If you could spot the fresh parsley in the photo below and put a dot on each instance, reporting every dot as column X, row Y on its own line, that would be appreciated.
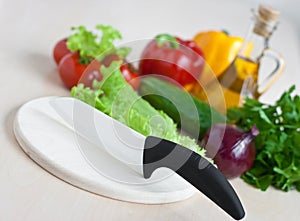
column 277, row 160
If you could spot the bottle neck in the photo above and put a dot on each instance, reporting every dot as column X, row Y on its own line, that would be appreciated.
column 257, row 40
column 254, row 45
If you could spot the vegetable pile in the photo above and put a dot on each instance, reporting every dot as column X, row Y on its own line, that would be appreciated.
column 98, row 73
column 277, row 161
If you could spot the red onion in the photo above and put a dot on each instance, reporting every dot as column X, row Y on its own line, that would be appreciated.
column 231, row 148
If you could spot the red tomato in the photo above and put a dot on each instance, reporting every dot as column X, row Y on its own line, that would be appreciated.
column 91, row 73
column 130, row 75
column 183, row 64
column 110, row 58
column 60, row 50
column 92, row 70
column 70, row 70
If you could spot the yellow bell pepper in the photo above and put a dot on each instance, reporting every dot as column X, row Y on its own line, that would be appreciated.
column 219, row 50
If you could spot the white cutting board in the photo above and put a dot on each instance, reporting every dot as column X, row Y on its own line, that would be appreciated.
column 46, row 138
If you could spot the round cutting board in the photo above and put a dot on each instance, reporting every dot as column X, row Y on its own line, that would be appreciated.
column 51, row 143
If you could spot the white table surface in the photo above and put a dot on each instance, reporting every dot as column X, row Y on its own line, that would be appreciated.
column 29, row 30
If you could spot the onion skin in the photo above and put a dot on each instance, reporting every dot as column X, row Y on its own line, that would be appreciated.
column 231, row 148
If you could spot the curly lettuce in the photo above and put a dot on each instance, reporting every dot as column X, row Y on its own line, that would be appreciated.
column 91, row 46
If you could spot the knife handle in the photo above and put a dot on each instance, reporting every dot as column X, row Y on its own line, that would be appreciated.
column 194, row 169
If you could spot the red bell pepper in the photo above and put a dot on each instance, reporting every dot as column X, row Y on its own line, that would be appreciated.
column 179, row 60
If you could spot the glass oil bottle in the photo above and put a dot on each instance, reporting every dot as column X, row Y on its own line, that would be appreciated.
column 240, row 79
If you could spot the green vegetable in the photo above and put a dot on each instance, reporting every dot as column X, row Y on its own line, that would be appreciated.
column 115, row 97
column 193, row 115
column 277, row 161
column 91, row 46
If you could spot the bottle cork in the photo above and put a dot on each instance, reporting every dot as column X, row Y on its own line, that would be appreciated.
column 267, row 13
column 266, row 20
